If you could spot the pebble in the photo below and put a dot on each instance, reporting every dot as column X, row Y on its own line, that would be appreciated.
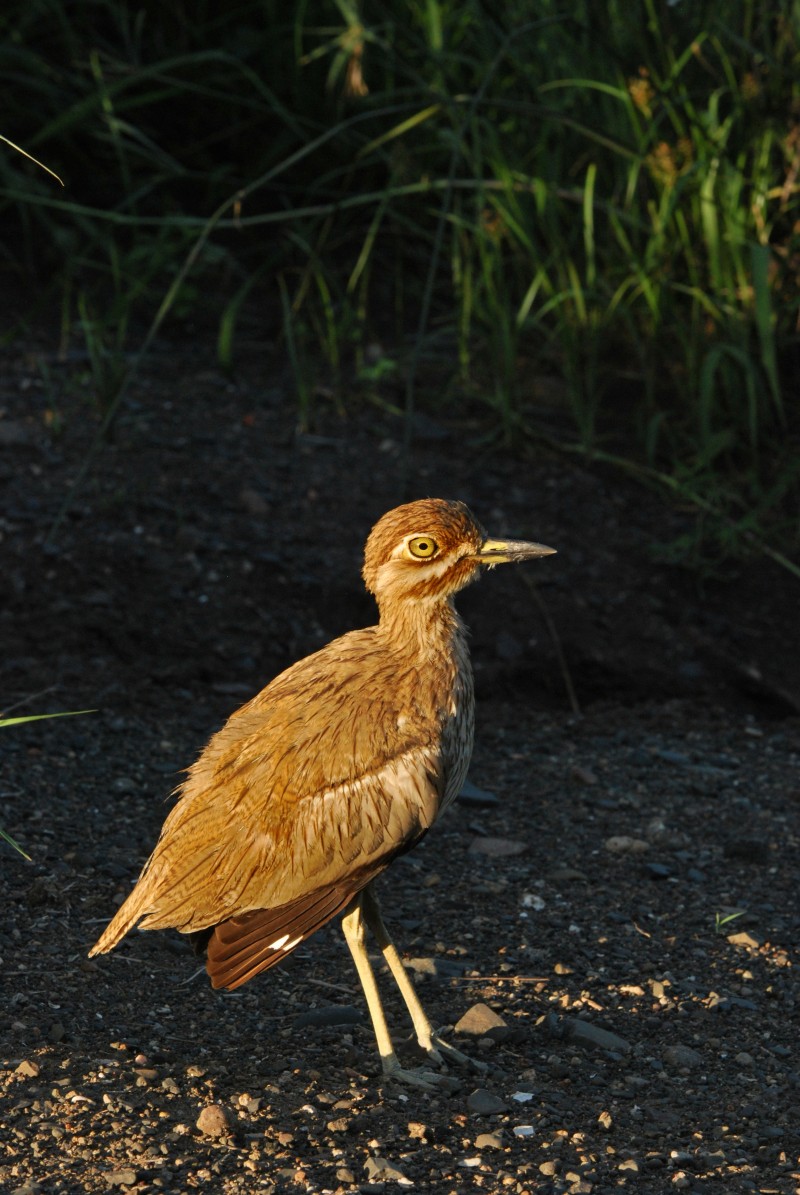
column 485, row 1103
column 27, row 1069
column 584, row 1033
column 382, row 1170
column 523, row 1130
column 489, row 1140
column 121, row 1178
column 333, row 1014
column 441, row 967
column 479, row 1020
column 214, row 1121
column 497, row 848
column 744, row 939
column 472, row 795
column 679, row 1057
column 623, row 844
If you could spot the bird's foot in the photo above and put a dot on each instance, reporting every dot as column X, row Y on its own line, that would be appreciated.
column 441, row 1052
column 419, row 1078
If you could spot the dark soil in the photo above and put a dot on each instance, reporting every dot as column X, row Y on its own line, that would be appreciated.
column 639, row 949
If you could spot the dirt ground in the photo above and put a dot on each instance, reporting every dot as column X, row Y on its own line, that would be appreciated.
column 615, row 907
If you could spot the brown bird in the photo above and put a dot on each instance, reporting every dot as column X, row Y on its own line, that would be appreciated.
column 339, row 765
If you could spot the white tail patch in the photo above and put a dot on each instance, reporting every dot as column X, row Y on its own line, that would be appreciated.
column 279, row 943
column 291, row 945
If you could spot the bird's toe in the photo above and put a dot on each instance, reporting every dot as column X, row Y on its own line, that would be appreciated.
column 422, row 1079
column 442, row 1053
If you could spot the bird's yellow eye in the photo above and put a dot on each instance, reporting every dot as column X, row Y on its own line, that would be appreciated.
column 423, row 547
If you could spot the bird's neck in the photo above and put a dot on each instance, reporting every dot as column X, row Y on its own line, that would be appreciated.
column 421, row 627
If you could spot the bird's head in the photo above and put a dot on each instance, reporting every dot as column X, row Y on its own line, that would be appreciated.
column 428, row 550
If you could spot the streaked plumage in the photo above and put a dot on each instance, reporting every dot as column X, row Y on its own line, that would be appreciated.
column 340, row 764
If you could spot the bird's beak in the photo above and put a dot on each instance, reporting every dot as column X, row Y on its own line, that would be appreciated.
column 509, row 551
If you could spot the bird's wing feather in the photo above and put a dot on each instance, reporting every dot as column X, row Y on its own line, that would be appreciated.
column 318, row 776
column 200, row 875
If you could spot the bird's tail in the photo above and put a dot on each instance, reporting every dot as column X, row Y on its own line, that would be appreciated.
column 124, row 919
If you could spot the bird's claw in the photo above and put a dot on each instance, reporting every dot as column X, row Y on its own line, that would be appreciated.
column 422, row 1079
column 442, row 1053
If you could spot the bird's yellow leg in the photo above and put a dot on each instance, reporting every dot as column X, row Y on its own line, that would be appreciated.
column 438, row 1051
column 355, row 936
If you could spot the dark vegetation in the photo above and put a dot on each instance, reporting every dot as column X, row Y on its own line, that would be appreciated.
column 581, row 227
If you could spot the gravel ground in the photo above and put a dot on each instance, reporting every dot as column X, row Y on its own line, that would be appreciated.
column 608, row 919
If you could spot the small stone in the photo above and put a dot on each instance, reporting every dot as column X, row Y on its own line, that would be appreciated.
column 745, row 1059
column 253, row 502
column 472, row 795
column 605, row 1120
column 121, row 1178
column 489, row 1140
column 443, row 968
column 523, row 1130
column 551, row 1167
column 680, row 1057
column 485, row 1103
column 27, row 1069
column 497, row 848
column 582, row 775
column 382, row 1170
column 584, row 1033
column 341, row 1125
column 214, row 1121
column 744, row 939
column 658, row 871
column 333, row 1014
column 343, row 1175
column 629, row 1166
column 478, row 1020
column 418, row 1131
column 623, row 844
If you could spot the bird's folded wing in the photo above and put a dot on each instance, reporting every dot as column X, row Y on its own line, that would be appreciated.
column 243, row 946
column 294, row 863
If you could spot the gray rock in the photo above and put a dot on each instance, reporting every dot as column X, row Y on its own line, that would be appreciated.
column 382, row 1170
column 442, row 967
column 121, row 1178
column 498, row 848
column 485, row 1103
column 479, row 1020
column 472, row 795
column 584, row 1033
column 333, row 1014
column 680, row 1057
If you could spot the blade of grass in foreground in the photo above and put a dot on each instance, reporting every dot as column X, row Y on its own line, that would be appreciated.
column 16, row 722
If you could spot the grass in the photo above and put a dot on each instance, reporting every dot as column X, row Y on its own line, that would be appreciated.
column 17, row 722
column 585, row 223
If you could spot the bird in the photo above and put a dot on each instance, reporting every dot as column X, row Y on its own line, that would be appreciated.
column 338, row 766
